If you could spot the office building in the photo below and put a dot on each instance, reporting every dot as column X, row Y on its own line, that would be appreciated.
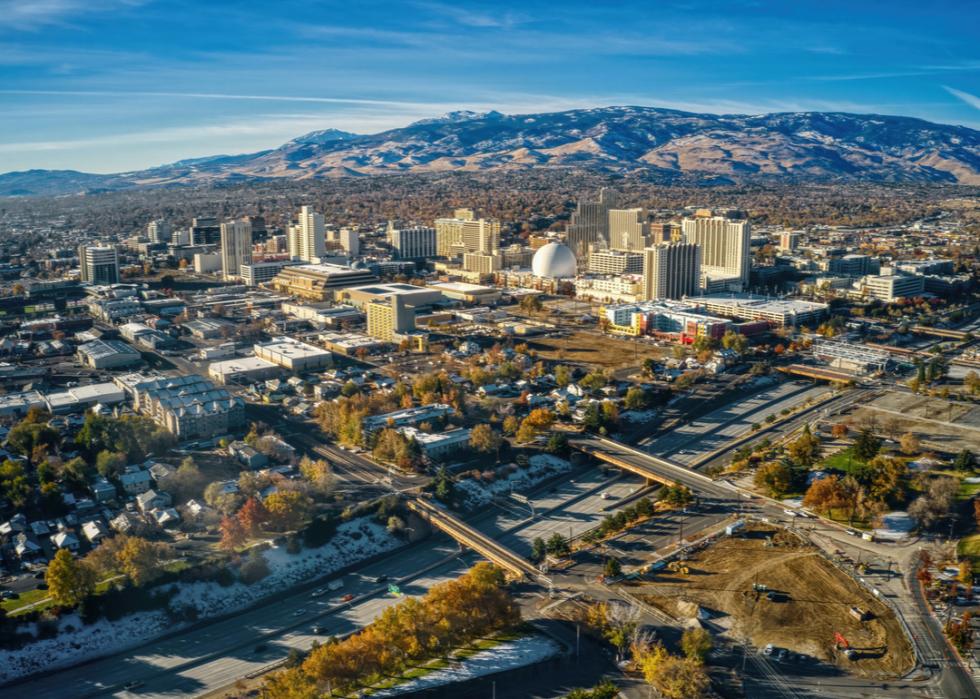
column 724, row 247
column 350, row 242
column 615, row 262
column 205, row 231
column 207, row 262
column 449, row 232
column 465, row 233
column 255, row 273
column 778, row 313
column 789, row 241
column 99, row 264
column 417, row 242
column 891, row 287
column 671, row 270
column 853, row 265
column 388, row 318
column 628, row 229
column 158, row 231
column 307, row 240
column 319, row 281
column 482, row 263
column 236, row 247
column 665, row 233
column 293, row 355
column 590, row 222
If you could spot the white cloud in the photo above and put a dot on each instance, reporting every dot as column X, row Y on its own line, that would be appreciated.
column 33, row 14
column 966, row 97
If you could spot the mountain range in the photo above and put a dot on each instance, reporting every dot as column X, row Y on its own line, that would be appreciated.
column 653, row 142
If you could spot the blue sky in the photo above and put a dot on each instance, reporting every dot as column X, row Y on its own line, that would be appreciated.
column 115, row 85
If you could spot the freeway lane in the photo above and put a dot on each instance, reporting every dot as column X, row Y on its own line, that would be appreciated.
column 713, row 430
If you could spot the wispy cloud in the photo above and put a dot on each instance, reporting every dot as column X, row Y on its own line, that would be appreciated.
column 218, row 96
column 965, row 97
column 472, row 18
column 34, row 14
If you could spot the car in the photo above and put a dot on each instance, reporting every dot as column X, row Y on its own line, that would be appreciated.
column 132, row 685
column 9, row 594
column 319, row 592
column 605, row 495
column 299, row 612
column 381, row 579
column 318, row 629
column 347, row 598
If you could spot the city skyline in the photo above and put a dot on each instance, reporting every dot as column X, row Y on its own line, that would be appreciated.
column 124, row 84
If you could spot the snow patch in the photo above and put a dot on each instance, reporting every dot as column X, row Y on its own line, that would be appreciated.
column 506, row 656
column 353, row 541
column 540, row 467
column 639, row 415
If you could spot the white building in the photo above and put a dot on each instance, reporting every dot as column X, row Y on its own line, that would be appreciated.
column 417, row 242
column 306, row 239
column 350, row 242
column 236, row 247
column 294, row 355
column 891, row 287
column 255, row 273
column 98, row 264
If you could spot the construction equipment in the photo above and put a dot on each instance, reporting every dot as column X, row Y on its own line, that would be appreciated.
column 841, row 643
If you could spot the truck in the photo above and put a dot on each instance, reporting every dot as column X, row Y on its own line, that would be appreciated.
column 734, row 527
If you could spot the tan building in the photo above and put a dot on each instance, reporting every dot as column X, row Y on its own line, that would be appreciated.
column 318, row 282
column 386, row 319
column 306, row 238
column 455, row 236
column 628, row 229
column 481, row 263
column 724, row 246
column 236, row 247
column 671, row 271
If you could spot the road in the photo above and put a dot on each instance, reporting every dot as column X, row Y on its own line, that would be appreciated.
column 216, row 654
column 731, row 421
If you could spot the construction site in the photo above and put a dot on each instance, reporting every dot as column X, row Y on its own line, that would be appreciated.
column 766, row 587
column 596, row 350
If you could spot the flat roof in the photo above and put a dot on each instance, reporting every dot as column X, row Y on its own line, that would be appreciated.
column 240, row 364
column 462, row 287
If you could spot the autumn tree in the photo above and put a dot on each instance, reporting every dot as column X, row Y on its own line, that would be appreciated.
column 825, row 495
column 909, row 444
column 233, row 533
column 805, row 449
column 288, row 509
column 775, row 477
column 318, row 474
column 485, row 439
column 253, row 515
column 69, row 580
column 866, row 445
column 839, row 430
column 696, row 643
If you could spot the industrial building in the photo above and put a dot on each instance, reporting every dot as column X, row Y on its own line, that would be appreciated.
column 294, row 355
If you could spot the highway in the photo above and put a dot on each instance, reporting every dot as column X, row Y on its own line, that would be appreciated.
column 214, row 655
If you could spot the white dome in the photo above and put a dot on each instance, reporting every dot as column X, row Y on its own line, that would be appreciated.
column 554, row 261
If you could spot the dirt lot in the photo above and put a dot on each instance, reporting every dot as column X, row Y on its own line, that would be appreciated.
column 815, row 601
column 594, row 349
column 939, row 424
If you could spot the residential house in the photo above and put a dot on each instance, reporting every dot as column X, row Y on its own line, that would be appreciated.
column 95, row 531
column 103, row 490
column 136, row 481
column 65, row 540
column 26, row 546
column 152, row 500
column 248, row 456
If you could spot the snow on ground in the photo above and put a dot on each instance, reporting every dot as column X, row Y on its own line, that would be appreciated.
column 639, row 415
column 353, row 541
column 540, row 468
column 895, row 526
column 506, row 656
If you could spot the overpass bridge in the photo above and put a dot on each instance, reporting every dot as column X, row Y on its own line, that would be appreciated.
column 653, row 468
column 517, row 566
column 820, row 373
column 946, row 333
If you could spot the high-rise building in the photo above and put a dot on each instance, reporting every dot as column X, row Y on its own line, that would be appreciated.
column 99, row 264
column 465, row 233
column 590, row 222
column 386, row 318
column 628, row 229
column 205, row 231
column 788, row 240
column 307, row 240
column 158, row 231
column 417, row 242
column 350, row 242
column 236, row 247
column 615, row 262
column 724, row 246
column 481, row 262
column 665, row 233
column 671, row 270
column 259, row 230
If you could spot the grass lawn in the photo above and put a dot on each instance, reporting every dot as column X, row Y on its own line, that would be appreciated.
column 13, row 606
column 843, row 460
column 969, row 547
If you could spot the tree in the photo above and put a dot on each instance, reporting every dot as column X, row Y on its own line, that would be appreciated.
column 485, row 439
column 696, row 643
column 14, row 484
column 867, row 445
column 825, row 495
column 318, row 473
column 444, row 488
column 839, row 430
column 288, row 509
column 735, row 342
column 805, row 450
column 935, row 504
column 612, row 568
column 253, row 515
column 140, row 559
column 538, row 550
column 965, row 461
column 111, row 464
column 636, row 398
column 222, row 498
column 557, row 444
column 253, row 568
column 69, row 580
column 233, row 534
column 557, row 545
column 186, row 482
column 531, row 303
column 775, row 477
column 673, row 677
column 909, row 443
column 563, row 375
column 510, row 425
column 677, row 495
column 26, row 436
